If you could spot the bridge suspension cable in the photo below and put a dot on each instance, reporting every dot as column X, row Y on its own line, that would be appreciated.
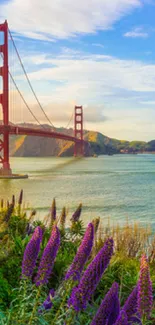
column 28, row 80
column 30, row 85
column 70, row 120
column 22, row 97
column 24, row 100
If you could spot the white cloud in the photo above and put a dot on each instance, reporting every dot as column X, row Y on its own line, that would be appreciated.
column 112, row 90
column 98, row 45
column 92, row 76
column 137, row 32
column 46, row 19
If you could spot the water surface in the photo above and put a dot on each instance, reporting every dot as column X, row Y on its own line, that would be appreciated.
column 119, row 187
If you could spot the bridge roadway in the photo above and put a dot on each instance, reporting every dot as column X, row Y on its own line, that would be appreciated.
column 19, row 130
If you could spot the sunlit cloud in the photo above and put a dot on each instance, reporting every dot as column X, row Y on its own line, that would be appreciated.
column 46, row 20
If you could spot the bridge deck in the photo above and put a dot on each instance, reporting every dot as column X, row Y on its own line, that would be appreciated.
column 19, row 130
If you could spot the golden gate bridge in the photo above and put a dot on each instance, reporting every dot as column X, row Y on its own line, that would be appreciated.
column 7, row 128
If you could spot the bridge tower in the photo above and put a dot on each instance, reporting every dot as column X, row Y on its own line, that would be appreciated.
column 4, row 101
column 78, row 131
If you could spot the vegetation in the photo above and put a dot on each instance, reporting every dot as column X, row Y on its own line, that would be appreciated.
column 99, row 144
column 58, row 272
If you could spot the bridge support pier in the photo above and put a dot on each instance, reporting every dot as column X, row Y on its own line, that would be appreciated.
column 78, row 131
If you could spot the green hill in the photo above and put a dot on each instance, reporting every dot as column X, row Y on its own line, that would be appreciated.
column 28, row 146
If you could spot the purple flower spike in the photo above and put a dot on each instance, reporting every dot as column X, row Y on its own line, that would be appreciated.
column 48, row 257
column 20, row 198
column 145, row 295
column 47, row 304
column 53, row 212
column 130, row 306
column 122, row 319
column 31, row 253
column 91, row 277
column 82, row 254
column 76, row 215
column 109, row 308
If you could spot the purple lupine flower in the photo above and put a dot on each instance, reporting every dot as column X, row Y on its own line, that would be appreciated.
column 31, row 253
column 76, row 215
column 47, row 304
column 96, row 223
column 145, row 295
column 53, row 213
column 13, row 200
column 63, row 219
column 91, row 277
column 122, row 319
column 130, row 306
column 8, row 213
column 29, row 229
column 114, row 311
column 48, row 257
column 82, row 254
column 20, row 200
column 110, row 305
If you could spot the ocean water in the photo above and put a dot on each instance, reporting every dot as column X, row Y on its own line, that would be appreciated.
column 118, row 187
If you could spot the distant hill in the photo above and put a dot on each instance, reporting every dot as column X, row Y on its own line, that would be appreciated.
column 28, row 146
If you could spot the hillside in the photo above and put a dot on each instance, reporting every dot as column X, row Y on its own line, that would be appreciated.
column 28, row 146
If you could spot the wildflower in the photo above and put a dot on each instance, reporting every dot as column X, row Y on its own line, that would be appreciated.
column 82, row 254
column 122, row 319
column 9, row 212
column 89, row 281
column 53, row 213
column 28, row 229
column 48, row 257
column 13, row 200
column 63, row 219
column 145, row 296
column 31, row 253
column 109, row 308
column 32, row 214
column 96, row 223
column 47, row 304
column 76, row 215
column 20, row 198
column 130, row 306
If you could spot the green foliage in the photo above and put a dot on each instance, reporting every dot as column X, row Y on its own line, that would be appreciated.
column 19, row 300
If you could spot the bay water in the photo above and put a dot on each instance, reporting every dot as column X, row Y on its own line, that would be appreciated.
column 118, row 187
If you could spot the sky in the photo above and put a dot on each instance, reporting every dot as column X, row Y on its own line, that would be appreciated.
column 95, row 53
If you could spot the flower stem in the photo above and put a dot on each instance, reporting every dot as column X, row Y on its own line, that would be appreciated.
column 67, row 290
column 71, row 318
column 35, row 306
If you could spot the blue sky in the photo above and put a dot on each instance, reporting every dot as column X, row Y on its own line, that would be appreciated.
column 97, row 53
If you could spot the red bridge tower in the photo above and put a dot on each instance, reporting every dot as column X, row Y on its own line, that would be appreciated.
column 7, row 128
column 78, row 131
column 4, row 101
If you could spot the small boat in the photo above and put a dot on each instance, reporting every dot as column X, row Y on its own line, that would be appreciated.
column 95, row 156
